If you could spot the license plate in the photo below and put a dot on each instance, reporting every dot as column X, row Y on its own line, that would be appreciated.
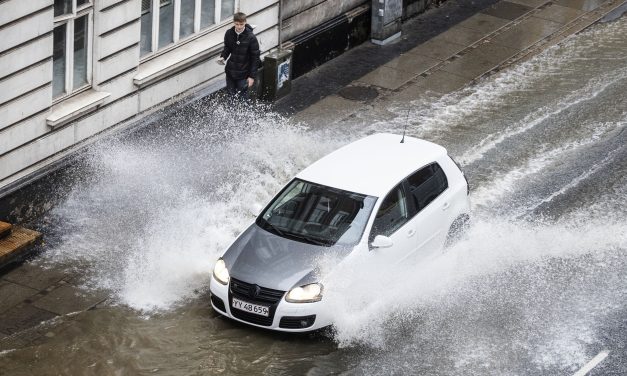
column 249, row 307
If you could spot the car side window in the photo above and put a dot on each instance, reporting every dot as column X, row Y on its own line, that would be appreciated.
column 426, row 184
column 392, row 213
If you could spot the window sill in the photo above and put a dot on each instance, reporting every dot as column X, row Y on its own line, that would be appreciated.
column 74, row 107
column 174, row 61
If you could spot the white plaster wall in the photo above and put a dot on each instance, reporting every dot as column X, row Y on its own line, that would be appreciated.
column 26, row 55
column 13, row 9
column 119, row 87
column 101, row 4
column 116, row 16
column 55, row 142
column 105, row 118
column 116, row 64
column 265, row 19
column 268, row 39
column 25, row 106
column 166, row 89
column 35, row 151
column 23, row 132
column 15, row 85
column 28, row 28
column 117, row 40
column 253, row 6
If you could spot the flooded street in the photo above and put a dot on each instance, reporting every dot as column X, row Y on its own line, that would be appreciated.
column 538, row 286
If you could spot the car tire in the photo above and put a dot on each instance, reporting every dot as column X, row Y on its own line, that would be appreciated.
column 457, row 230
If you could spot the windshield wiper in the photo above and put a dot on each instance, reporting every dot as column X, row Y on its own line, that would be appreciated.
column 309, row 239
column 275, row 229
column 269, row 226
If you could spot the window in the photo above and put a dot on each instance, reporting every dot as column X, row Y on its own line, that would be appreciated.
column 71, row 57
column 317, row 214
column 165, row 22
column 392, row 213
column 426, row 184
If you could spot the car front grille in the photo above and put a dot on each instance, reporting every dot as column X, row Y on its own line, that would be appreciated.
column 252, row 318
column 255, row 294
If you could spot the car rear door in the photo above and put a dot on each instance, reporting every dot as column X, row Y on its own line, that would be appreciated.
column 427, row 192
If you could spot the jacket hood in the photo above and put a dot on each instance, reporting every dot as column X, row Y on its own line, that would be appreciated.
column 272, row 261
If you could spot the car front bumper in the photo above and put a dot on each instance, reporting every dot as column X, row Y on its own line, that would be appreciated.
column 287, row 317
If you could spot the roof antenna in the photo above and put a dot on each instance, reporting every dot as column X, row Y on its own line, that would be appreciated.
column 404, row 129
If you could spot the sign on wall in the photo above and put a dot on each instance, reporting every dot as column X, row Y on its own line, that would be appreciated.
column 283, row 73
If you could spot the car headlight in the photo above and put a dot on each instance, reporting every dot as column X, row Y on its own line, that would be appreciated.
column 305, row 294
column 220, row 272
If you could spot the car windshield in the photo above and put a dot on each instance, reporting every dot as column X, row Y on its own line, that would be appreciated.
column 316, row 214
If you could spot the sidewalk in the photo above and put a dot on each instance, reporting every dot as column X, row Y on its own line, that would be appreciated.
column 441, row 51
column 495, row 37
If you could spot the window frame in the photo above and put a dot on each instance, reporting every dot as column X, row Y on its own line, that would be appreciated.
column 413, row 205
column 409, row 200
column 176, row 19
column 69, row 19
column 408, row 207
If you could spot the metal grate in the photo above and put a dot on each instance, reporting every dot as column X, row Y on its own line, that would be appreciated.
column 252, row 318
column 250, row 291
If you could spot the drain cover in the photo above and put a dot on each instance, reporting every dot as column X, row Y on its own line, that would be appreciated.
column 359, row 93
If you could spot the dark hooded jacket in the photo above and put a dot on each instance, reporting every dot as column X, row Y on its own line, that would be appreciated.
column 244, row 60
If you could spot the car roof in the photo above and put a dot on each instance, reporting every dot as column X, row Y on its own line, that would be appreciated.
column 372, row 165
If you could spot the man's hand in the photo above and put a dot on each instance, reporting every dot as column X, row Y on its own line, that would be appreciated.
column 251, row 82
column 220, row 61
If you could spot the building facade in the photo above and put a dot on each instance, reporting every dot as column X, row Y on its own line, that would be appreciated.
column 73, row 70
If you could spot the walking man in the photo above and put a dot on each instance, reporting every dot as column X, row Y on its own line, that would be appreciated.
column 242, row 51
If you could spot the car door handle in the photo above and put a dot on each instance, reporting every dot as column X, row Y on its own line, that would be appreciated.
column 445, row 206
column 411, row 233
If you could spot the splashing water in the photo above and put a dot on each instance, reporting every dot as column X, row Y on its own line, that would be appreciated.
column 158, row 214
column 538, row 280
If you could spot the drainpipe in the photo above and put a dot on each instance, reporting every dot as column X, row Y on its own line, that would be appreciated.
column 280, row 23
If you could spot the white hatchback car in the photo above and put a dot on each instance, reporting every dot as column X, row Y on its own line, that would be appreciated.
column 378, row 192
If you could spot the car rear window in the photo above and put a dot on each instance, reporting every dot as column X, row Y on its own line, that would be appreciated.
column 426, row 184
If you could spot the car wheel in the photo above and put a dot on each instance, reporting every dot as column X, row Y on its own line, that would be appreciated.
column 457, row 230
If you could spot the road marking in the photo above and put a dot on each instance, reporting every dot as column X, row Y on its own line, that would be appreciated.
column 593, row 363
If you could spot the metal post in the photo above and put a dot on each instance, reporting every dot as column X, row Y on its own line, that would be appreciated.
column 386, row 20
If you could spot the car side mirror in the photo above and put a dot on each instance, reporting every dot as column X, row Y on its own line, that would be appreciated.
column 381, row 241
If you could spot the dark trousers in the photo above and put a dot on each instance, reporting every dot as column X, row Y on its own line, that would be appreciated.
column 237, row 88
